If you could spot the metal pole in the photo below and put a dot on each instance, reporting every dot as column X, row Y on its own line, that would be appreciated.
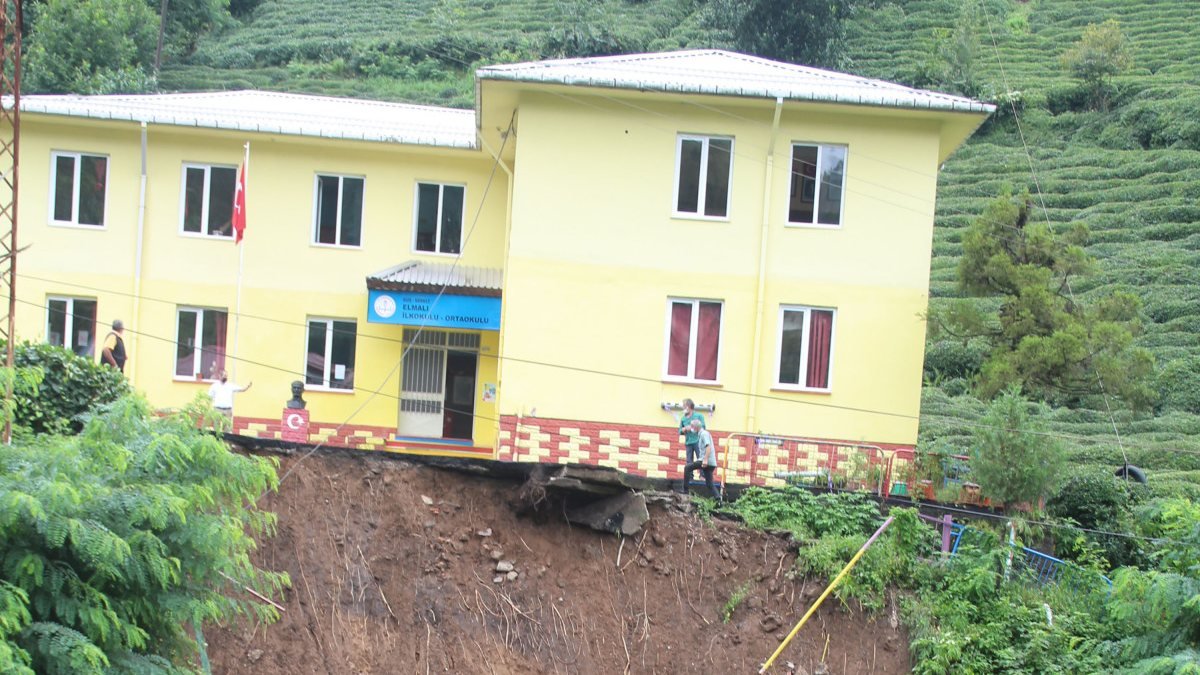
column 10, row 153
column 828, row 589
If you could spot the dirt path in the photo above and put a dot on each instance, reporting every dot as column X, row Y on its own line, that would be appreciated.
column 393, row 570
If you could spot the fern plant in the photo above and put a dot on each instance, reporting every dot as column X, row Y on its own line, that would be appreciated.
column 113, row 541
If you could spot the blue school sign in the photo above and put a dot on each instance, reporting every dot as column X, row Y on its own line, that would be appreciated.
column 428, row 309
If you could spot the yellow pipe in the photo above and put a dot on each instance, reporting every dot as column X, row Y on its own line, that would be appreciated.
column 828, row 589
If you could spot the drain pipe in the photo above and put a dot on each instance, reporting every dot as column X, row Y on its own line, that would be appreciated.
column 496, row 155
column 137, row 262
column 764, row 236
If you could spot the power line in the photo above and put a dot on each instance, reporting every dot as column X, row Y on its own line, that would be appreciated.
column 518, row 426
column 1046, row 214
column 409, row 345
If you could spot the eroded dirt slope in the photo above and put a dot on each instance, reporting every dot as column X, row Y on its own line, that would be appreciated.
column 393, row 569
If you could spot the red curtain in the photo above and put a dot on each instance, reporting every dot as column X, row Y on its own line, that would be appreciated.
column 820, row 332
column 681, row 336
column 708, row 337
column 213, row 356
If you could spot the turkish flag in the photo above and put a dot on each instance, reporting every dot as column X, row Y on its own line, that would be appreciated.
column 239, row 206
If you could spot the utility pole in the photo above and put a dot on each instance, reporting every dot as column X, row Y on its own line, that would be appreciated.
column 10, row 153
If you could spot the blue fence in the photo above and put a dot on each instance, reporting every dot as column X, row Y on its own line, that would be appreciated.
column 1041, row 568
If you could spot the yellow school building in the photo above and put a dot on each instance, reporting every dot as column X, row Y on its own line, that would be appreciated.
column 542, row 278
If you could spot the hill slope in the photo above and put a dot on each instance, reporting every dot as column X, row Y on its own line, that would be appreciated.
column 383, row 582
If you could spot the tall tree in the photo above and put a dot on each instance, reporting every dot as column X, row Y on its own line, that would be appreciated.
column 1041, row 337
column 90, row 46
column 1101, row 53
column 809, row 32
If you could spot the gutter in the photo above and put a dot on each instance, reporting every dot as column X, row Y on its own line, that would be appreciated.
column 759, row 299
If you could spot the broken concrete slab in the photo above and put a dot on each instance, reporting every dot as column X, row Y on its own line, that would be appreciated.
column 620, row 514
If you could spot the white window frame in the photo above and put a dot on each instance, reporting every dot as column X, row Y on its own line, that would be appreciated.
column 78, row 156
column 462, row 235
column 703, row 186
column 328, row 356
column 197, row 344
column 693, row 337
column 69, row 321
column 316, row 212
column 787, row 221
column 204, row 199
column 807, row 311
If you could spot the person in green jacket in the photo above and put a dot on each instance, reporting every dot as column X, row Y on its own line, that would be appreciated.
column 690, row 438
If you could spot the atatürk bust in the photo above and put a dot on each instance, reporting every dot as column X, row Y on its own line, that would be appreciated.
column 297, row 396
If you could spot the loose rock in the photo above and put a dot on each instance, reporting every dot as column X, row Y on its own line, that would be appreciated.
column 770, row 623
column 485, row 533
column 426, row 500
column 512, row 576
column 497, row 553
column 254, row 655
column 504, row 566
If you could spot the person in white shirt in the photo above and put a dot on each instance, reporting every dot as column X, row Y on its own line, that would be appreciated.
column 706, row 459
column 222, row 391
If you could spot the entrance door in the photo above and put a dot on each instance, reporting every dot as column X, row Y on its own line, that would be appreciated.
column 460, row 394
column 437, row 385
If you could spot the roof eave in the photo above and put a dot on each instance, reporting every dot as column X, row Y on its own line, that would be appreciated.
column 883, row 101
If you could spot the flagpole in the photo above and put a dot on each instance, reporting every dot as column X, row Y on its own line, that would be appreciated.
column 237, row 317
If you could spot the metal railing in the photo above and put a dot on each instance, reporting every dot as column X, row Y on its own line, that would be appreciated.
column 772, row 459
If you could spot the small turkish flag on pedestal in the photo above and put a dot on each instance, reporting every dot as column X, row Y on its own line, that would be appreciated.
column 294, row 425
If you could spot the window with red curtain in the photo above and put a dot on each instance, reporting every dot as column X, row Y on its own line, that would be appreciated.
column 694, row 339
column 679, row 351
column 820, row 333
column 805, row 346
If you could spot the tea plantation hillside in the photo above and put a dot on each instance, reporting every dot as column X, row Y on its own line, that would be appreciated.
column 1131, row 172
column 420, row 51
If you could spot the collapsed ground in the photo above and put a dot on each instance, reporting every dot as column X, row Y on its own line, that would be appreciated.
column 394, row 569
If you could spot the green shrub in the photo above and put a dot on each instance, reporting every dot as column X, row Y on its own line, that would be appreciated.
column 1098, row 500
column 1014, row 460
column 71, row 387
column 805, row 515
column 117, row 540
column 1180, row 383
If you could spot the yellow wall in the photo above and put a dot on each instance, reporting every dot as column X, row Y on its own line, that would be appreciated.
column 286, row 278
column 595, row 253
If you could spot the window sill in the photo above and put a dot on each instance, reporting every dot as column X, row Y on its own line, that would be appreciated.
column 691, row 382
column 792, row 389
column 811, row 226
column 344, row 247
column 436, row 254
column 676, row 215
column 209, row 237
column 326, row 390
column 76, row 226
column 191, row 380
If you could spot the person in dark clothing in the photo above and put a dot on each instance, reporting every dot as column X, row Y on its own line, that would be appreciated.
column 706, row 460
column 114, row 347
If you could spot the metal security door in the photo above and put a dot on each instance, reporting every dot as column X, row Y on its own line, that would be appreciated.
column 422, row 384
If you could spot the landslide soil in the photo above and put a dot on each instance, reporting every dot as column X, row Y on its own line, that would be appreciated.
column 390, row 574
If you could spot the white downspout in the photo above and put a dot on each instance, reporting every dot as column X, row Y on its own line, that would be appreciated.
column 759, row 299
column 137, row 265
column 504, row 275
